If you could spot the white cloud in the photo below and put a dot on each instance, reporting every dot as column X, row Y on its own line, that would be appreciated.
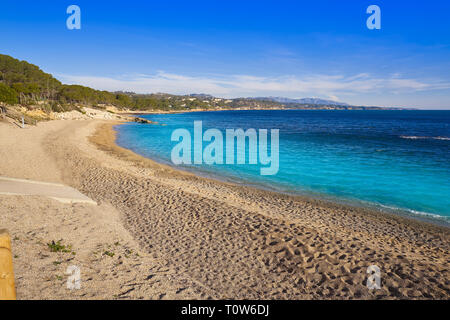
column 246, row 85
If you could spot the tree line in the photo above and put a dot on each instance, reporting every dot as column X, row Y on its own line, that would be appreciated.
column 26, row 84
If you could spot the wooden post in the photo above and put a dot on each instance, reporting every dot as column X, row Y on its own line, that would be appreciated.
column 7, row 287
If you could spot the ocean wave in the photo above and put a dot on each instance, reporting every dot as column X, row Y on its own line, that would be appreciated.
column 417, row 213
column 424, row 137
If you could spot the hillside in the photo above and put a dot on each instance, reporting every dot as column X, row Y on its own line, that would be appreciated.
column 25, row 84
column 304, row 101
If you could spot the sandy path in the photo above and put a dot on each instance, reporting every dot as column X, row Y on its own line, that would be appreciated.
column 22, row 187
column 21, row 153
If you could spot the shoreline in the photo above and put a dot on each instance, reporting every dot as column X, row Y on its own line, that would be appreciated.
column 409, row 214
column 341, row 203
column 371, row 214
column 199, row 238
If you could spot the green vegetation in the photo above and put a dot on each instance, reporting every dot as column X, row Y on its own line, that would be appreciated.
column 8, row 94
column 59, row 247
column 26, row 84
column 109, row 253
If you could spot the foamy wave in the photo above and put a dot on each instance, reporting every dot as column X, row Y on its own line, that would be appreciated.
column 417, row 213
column 423, row 137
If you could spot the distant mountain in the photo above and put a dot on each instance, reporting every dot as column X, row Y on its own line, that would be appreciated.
column 315, row 101
column 201, row 96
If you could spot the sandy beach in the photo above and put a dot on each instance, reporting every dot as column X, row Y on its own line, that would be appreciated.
column 159, row 233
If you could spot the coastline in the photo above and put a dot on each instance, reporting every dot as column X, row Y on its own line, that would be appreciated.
column 408, row 214
column 212, row 239
column 107, row 142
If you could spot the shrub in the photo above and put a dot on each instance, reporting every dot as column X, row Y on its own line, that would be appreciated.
column 7, row 94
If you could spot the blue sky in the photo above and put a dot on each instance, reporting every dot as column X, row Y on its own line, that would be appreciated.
column 242, row 48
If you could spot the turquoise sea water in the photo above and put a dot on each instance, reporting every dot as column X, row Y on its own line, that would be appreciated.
column 397, row 160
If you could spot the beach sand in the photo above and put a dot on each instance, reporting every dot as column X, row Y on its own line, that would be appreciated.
column 159, row 233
